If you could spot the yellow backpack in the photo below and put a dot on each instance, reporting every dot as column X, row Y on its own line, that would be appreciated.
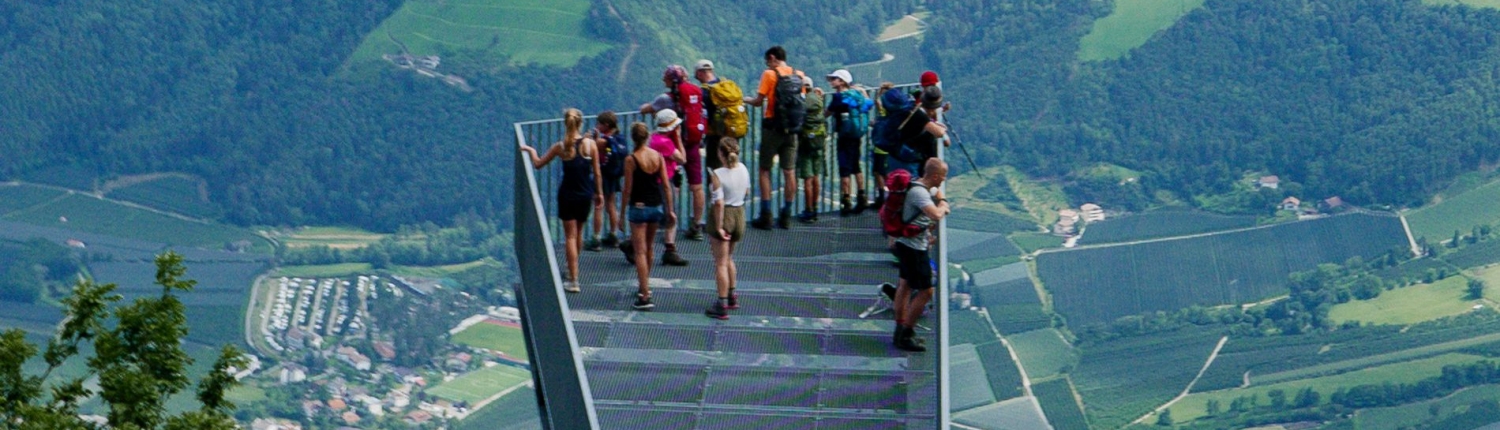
column 730, row 118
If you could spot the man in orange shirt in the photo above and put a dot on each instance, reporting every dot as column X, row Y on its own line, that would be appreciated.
column 775, row 142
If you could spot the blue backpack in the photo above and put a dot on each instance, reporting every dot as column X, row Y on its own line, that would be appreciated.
column 899, row 107
column 614, row 162
column 856, row 121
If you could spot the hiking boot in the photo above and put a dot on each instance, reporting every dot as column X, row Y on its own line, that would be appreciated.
column 879, row 200
column 807, row 217
column 629, row 250
column 845, row 209
column 610, row 241
column 717, row 311
column 906, row 340
column 762, row 222
column 671, row 258
column 784, row 221
column 592, row 245
column 571, row 287
column 861, row 204
column 734, row 302
column 643, row 303
column 695, row 232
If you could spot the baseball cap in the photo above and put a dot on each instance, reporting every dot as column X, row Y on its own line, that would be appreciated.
column 666, row 120
column 929, row 78
column 842, row 75
column 703, row 65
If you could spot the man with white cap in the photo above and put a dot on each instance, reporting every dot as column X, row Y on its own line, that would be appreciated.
column 850, row 109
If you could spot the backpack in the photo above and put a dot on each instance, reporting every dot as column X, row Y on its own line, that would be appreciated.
column 814, row 128
column 791, row 107
column 614, row 159
column 856, row 121
column 898, row 181
column 729, row 118
column 899, row 109
column 690, row 108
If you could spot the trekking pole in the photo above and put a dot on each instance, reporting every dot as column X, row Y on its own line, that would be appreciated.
column 954, row 136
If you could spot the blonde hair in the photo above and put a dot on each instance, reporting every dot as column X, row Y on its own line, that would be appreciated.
column 640, row 134
column 573, row 124
column 729, row 149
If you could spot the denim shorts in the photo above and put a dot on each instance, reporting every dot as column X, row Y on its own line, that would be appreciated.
column 645, row 214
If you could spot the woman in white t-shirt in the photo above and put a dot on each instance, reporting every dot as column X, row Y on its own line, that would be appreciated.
column 726, row 223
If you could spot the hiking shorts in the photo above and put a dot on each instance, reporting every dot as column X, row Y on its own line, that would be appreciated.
column 734, row 224
column 645, row 214
column 694, row 166
column 810, row 165
column 711, row 152
column 848, row 155
column 915, row 266
column 877, row 163
column 574, row 210
column 775, row 144
column 612, row 185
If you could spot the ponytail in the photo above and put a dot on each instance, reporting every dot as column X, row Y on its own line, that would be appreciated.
column 729, row 150
column 640, row 134
column 573, row 124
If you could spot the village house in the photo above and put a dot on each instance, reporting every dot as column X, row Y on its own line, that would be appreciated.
column 1271, row 182
column 1291, row 204
column 292, row 373
column 1332, row 203
column 418, row 417
column 1092, row 212
column 386, row 350
column 350, row 418
column 353, row 357
column 1065, row 227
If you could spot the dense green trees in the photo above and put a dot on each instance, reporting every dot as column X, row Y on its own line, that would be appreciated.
column 1377, row 101
column 27, row 268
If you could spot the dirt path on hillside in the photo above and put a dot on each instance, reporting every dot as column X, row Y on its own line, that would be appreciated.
column 1189, row 388
column 634, row 44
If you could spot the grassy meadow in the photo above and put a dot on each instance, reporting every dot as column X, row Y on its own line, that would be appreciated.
column 1460, row 213
column 1130, row 25
column 1409, row 305
column 518, row 31
column 504, row 339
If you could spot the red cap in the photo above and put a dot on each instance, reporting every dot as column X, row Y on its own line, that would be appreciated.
column 929, row 78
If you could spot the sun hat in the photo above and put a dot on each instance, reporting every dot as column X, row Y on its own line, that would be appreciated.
column 842, row 75
column 666, row 120
column 703, row 65
column 932, row 97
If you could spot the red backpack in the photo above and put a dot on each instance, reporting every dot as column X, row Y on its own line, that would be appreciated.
column 689, row 100
column 898, row 181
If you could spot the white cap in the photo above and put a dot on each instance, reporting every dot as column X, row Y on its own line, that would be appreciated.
column 703, row 65
column 666, row 120
column 842, row 74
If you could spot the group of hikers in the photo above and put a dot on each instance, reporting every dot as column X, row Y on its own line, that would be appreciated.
column 700, row 126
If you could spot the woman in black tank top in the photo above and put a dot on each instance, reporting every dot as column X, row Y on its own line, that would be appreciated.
column 578, row 191
column 647, row 205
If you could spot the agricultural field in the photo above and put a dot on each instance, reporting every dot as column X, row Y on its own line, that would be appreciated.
column 512, row 31
column 1159, row 224
column 1409, row 305
column 1018, row 413
column 1461, row 212
column 995, row 247
column 1122, row 379
column 92, row 215
column 1004, row 376
column 1099, row 285
column 1490, row 275
column 969, row 327
column 1031, row 242
column 480, row 384
column 1478, row 254
column 1194, row 406
column 1412, row 415
column 514, row 411
column 1043, row 352
column 1130, row 25
column 170, row 193
column 495, row 335
column 14, row 197
column 970, row 391
column 1058, row 402
column 332, row 237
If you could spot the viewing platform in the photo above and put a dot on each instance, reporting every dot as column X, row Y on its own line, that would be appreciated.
column 809, row 348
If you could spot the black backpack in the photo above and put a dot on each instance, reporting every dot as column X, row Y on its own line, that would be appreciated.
column 791, row 109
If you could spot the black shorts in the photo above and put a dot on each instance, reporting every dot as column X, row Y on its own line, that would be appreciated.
column 916, row 267
column 569, row 210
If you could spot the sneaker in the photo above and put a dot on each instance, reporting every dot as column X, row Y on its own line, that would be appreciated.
column 695, row 232
column 671, row 258
column 610, row 241
column 734, row 302
column 717, row 311
column 571, row 287
column 592, row 245
column 643, row 303
column 629, row 251
column 784, row 221
column 762, row 222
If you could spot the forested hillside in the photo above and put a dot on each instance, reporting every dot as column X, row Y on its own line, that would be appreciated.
column 258, row 98
column 1377, row 101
